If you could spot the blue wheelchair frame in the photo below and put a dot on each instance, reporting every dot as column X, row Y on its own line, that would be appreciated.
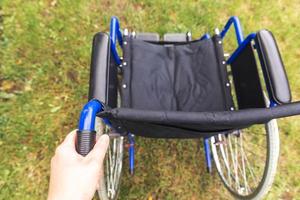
column 89, row 111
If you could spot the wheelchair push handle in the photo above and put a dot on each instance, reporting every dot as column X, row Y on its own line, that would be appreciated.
column 86, row 134
column 85, row 141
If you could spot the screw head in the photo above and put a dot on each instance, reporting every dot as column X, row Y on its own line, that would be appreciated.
column 227, row 84
column 124, row 63
column 126, row 31
column 124, row 86
column 220, row 42
column 223, row 62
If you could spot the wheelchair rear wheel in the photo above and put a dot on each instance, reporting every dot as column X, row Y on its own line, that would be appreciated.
column 246, row 160
column 112, row 169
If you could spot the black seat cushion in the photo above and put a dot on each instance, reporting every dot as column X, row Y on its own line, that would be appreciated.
column 182, row 76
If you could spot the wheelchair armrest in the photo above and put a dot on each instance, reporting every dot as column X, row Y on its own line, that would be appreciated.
column 103, row 72
column 273, row 67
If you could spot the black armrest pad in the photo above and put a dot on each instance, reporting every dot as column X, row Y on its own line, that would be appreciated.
column 99, row 66
column 103, row 73
column 273, row 67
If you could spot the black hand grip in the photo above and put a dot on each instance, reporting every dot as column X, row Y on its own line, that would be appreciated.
column 85, row 141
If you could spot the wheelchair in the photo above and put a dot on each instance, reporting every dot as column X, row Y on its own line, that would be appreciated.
column 177, row 87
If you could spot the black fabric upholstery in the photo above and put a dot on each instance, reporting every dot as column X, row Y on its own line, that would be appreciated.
column 206, row 121
column 175, row 76
column 153, row 130
column 195, row 124
column 246, row 80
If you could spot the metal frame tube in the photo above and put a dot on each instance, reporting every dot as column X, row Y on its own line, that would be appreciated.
column 115, row 34
column 88, row 115
column 237, row 26
column 131, row 153
column 205, row 36
column 207, row 154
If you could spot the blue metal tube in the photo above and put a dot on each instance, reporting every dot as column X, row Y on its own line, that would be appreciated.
column 207, row 154
column 205, row 36
column 115, row 34
column 241, row 47
column 131, row 153
column 237, row 26
column 272, row 103
column 88, row 115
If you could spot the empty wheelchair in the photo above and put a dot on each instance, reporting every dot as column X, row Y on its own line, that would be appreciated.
column 177, row 87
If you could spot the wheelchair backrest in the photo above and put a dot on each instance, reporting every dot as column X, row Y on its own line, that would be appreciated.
column 175, row 75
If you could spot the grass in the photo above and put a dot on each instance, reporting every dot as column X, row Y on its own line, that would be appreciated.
column 44, row 61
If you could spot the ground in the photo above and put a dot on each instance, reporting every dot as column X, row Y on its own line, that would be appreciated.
column 45, row 51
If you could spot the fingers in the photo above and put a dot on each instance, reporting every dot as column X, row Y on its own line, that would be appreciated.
column 70, row 139
column 100, row 148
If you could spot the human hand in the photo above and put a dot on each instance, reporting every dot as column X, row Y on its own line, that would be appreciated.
column 74, row 176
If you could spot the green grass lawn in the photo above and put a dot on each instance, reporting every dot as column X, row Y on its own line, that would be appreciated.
column 45, row 51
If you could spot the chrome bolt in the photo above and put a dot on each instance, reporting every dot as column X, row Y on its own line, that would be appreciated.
column 126, row 31
column 133, row 34
column 226, row 55
column 217, row 31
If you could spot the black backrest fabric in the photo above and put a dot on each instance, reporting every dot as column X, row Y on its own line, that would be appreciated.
column 178, row 76
column 273, row 67
column 246, row 80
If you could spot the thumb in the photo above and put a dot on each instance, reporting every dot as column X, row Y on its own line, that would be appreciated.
column 70, row 139
column 100, row 148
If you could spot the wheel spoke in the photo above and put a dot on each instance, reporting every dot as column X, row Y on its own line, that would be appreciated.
column 225, row 156
column 113, row 166
column 241, row 159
